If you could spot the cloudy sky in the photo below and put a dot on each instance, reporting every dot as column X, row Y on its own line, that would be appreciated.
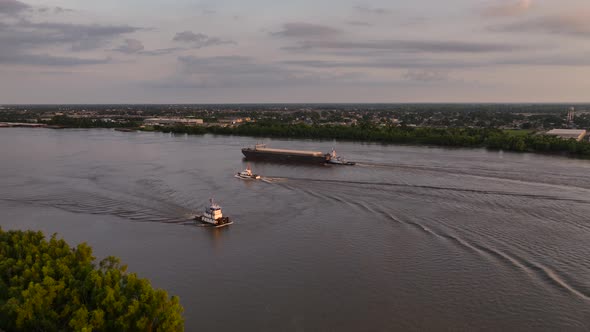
column 228, row 51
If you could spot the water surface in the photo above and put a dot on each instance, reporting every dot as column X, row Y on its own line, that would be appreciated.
column 412, row 238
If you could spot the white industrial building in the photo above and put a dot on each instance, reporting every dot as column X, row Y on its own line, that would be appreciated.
column 577, row 134
column 172, row 121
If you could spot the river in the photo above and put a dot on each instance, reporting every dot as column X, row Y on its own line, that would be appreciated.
column 412, row 238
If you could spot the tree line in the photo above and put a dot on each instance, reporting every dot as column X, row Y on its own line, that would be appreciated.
column 451, row 137
column 490, row 138
column 46, row 285
column 70, row 122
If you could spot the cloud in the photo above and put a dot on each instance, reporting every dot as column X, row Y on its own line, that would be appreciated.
column 359, row 23
column 54, row 10
column 233, row 72
column 79, row 37
column 245, row 72
column 12, row 7
column 432, row 64
column 77, row 30
column 508, row 8
column 59, row 10
column 134, row 46
column 130, row 46
column 366, row 9
column 22, row 40
column 402, row 63
column 163, row 51
column 411, row 46
column 562, row 60
column 573, row 24
column 199, row 40
column 47, row 60
column 306, row 30
column 426, row 75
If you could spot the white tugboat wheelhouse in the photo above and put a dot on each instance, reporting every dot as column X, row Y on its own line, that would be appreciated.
column 214, row 216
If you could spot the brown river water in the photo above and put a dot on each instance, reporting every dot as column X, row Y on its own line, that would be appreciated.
column 412, row 238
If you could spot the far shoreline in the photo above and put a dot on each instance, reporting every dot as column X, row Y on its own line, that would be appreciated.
column 564, row 154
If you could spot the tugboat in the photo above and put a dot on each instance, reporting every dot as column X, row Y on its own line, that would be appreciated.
column 337, row 160
column 213, row 216
column 247, row 174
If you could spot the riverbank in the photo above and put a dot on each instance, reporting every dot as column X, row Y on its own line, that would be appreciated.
column 495, row 139
column 490, row 138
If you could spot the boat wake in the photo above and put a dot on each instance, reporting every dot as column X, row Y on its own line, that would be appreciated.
column 440, row 188
column 479, row 242
column 557, row 180
column 155, row 205
column 531, row 268
column 273, row 180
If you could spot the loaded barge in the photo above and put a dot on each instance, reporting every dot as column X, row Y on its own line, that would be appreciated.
column 261, row 152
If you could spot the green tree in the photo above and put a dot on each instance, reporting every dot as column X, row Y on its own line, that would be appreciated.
column 49, row 286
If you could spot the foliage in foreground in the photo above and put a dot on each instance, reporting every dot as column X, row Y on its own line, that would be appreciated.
column 49, row 286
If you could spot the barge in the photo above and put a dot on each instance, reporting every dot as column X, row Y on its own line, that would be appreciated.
column 261, row 152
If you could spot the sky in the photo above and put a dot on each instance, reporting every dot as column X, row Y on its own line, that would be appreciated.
column 300, row 51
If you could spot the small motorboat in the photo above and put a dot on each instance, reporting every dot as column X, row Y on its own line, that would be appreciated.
column 335, row 159
column 247, row 174
column 213, row 216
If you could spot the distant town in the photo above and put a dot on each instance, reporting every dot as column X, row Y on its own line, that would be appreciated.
column 561, row 120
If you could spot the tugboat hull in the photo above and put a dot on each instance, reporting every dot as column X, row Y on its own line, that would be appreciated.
column 222, row 222
column 345, row 163
column 250, row 177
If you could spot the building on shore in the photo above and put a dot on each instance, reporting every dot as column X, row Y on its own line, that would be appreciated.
column 172, row 121
column 234, row 121
column 571, row 116
column 577, row 134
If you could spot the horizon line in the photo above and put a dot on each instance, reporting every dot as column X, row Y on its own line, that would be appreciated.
column 305, row 103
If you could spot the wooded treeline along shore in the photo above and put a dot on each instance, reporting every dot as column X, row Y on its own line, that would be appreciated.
column 491, row 138
column 496, row 139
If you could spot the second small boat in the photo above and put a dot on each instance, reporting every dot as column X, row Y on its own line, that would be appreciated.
column 247, row 174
